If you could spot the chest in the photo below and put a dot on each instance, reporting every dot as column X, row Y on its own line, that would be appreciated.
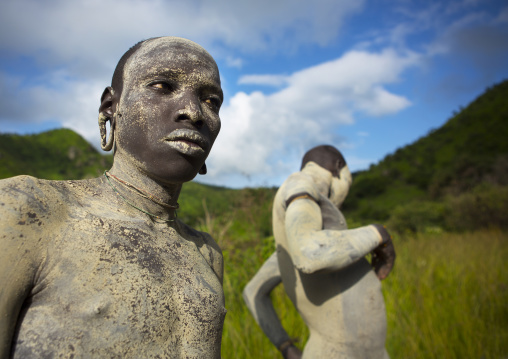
column 110, row 283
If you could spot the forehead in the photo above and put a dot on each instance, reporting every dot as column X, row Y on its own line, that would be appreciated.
column 171, row 55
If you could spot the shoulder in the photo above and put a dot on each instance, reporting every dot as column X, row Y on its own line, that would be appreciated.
column 21, row 193
column 29, row 207
column 298, row 184
column 25, row 226
column 26, row 195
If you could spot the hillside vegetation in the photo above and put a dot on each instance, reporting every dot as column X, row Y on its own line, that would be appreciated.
column 57, row 154
column 427, row 184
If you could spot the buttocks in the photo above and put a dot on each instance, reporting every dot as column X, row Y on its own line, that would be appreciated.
column 123, row 289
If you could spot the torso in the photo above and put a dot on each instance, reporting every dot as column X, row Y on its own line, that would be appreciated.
column 344, row 310
column 114, row 286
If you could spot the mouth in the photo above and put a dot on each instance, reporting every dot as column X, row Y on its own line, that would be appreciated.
column 187, row 141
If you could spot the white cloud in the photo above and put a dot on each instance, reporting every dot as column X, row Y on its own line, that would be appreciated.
column 90, row 36
column 234, row 62
column 56, row 98
column 258, row 129
column 76, row 44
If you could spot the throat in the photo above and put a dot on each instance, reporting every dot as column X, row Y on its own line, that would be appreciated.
column 157, row 208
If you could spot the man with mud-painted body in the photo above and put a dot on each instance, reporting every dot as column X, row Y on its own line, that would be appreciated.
column 102, row 268
column 322, row 266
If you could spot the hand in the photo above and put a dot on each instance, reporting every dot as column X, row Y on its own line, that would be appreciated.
column 383, row 257
column 292, row 352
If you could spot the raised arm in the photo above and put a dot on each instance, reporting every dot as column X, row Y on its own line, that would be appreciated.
column 257, row 297
column 314, row 248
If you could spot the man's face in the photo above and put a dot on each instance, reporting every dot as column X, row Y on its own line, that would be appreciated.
column 167, row 117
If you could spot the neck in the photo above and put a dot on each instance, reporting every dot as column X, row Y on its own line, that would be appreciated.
column 142, row 193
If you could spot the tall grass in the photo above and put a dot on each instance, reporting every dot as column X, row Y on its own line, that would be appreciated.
column 446, row 298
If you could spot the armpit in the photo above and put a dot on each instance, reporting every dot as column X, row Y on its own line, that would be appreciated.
column 302, row 195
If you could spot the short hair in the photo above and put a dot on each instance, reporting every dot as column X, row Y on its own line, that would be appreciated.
column 117, row 80
column 327, row 157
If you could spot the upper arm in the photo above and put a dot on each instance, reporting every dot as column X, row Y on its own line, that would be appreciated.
column 18, row 258
column 303, row 223
column 16, row 276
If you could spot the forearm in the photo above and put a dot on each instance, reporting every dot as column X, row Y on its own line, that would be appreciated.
column 332, row 250
column 257, row 298
column 263, row 312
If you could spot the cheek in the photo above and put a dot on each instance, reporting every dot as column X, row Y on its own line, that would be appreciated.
column 135, row 117
column 215, row 128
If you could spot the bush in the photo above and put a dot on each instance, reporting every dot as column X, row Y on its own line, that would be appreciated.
column 484, row 207
column 421, row 216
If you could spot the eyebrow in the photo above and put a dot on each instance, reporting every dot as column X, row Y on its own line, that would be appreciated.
column 174, row 74
column 166, row 72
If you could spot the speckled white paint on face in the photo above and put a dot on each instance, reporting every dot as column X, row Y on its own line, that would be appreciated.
column 167, row 115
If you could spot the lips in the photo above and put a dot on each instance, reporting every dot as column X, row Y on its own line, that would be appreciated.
column 186, row 141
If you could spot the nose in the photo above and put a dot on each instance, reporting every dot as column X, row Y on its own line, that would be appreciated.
column 191, row 112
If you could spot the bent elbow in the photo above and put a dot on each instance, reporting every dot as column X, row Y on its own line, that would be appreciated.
column 248, row 294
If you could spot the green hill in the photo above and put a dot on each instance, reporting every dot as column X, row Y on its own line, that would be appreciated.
column 469, row 153
column 57, row 154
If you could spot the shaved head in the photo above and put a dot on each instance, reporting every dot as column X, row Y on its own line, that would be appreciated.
column 117, row 80
column 327, row 157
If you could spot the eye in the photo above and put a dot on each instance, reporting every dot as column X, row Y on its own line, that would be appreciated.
column 213, row 102
column 161, row 85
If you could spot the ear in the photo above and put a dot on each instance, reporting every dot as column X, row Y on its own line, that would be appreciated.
column 107, row 102
column 202, row 170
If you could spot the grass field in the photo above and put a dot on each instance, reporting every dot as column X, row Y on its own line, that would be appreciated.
column 447, row 297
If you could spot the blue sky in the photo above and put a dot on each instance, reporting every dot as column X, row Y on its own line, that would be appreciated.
column 368, row 76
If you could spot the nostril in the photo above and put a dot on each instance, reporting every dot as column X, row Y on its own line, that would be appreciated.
column 183, row 117
column 194, row 118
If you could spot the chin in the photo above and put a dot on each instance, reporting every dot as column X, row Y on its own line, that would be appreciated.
column 176, row 174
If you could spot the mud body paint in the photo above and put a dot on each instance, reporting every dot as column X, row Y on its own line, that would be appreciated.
column 322, row 266
column 83, row 273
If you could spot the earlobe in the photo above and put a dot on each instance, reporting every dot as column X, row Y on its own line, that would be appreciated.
column 202, row 170
column 106, row 145
column 105, row 115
